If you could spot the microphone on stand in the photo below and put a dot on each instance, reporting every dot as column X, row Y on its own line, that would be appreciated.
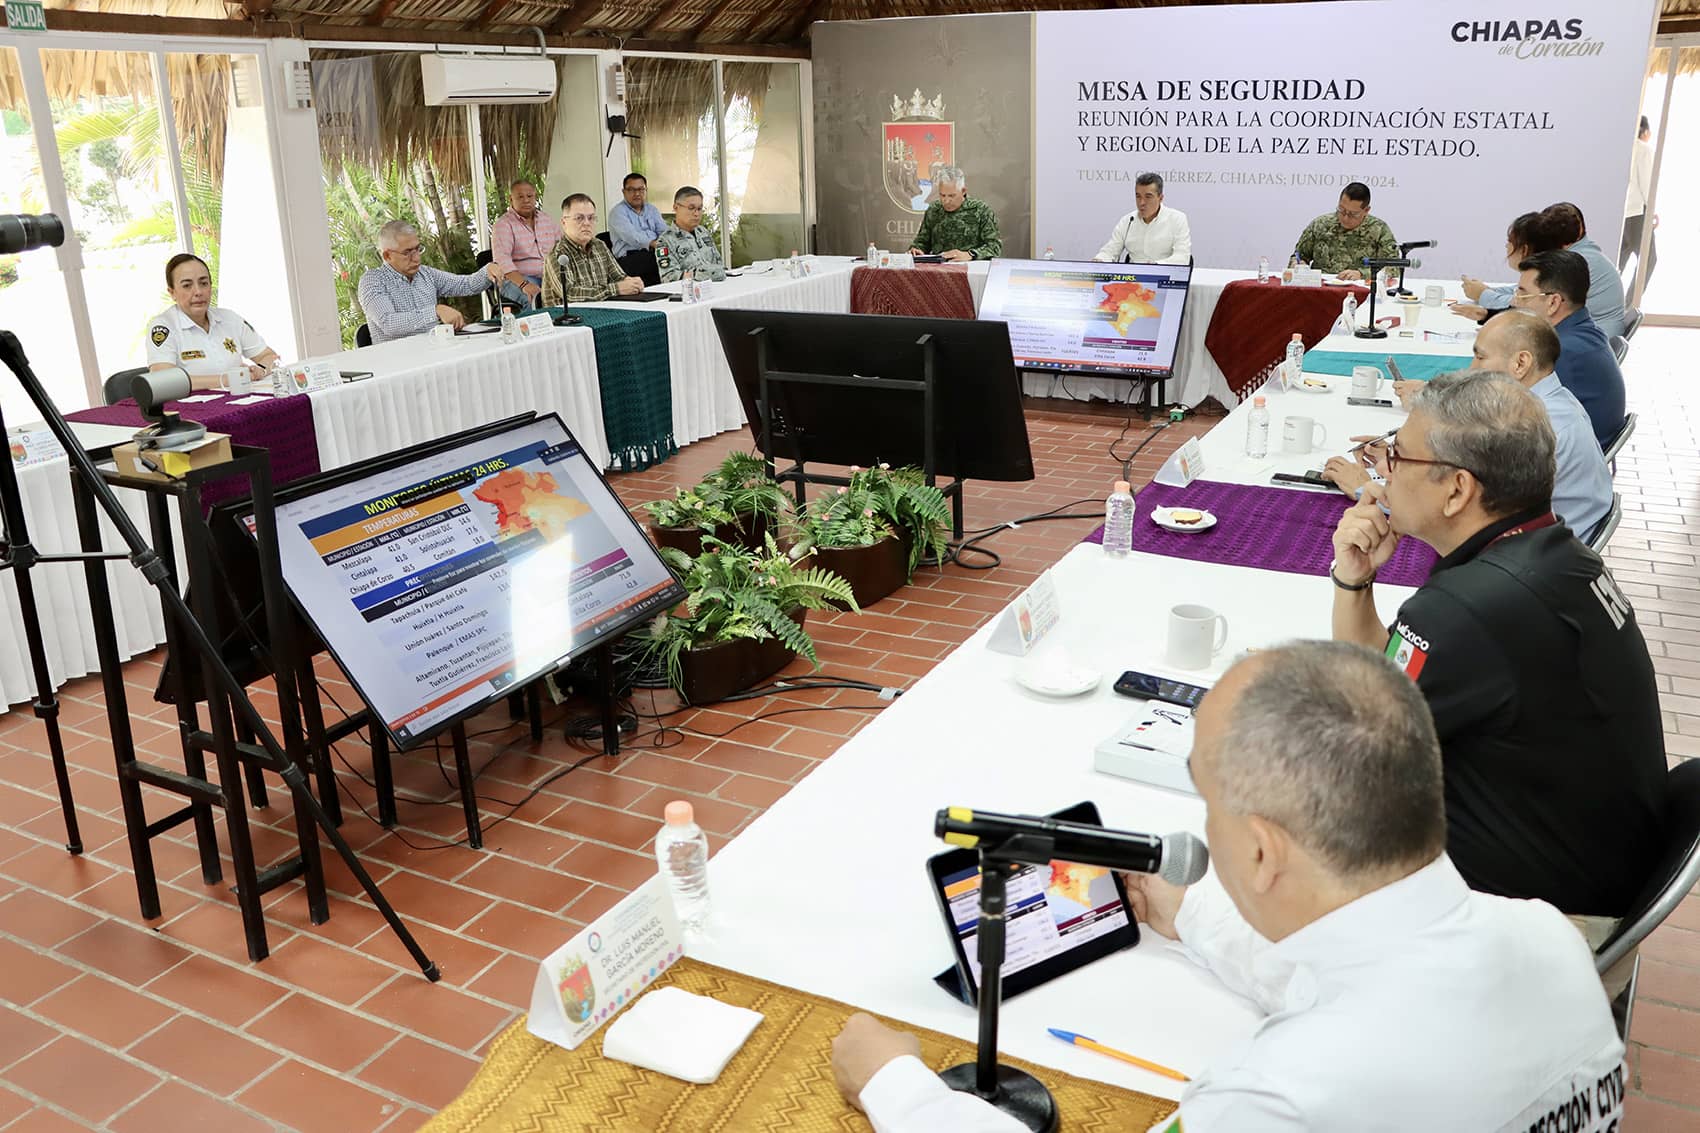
column 1405, row 249
column 1179, row 859
column 566, row 319
column 1372, row 268
column 1005, row 841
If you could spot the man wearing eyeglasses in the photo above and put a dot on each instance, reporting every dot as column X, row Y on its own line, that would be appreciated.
column 1340, row 241
column 1527, row 651
column 1554, row 286
column 686, row 246
column 402, row 297
column 580, row 268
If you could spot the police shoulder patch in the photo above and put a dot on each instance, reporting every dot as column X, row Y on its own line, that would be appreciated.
column 159, row 334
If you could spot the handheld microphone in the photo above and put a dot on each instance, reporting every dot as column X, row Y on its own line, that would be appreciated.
column 1179, row 859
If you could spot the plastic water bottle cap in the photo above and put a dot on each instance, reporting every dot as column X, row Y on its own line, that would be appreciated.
column 679, row 813
column 1297, row 337
column 1123, row 486
column 1257, row 402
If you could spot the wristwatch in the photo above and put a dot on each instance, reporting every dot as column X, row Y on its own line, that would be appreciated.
column 1352, row 586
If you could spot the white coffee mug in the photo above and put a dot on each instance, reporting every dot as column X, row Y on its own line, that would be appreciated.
column 1301, row 434
column 238, row 380
column 1433, row 294
column 1366, row 381
column 1196, row 634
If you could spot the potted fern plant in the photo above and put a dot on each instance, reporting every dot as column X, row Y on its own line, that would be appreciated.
column 742, row 618
column 736, row 503
column 876, row 530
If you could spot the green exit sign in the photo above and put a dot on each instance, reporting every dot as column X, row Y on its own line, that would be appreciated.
column 26, row 15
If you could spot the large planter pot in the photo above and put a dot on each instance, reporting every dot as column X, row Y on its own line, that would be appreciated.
column 714, row 672
column 872, row 572
column 689, row 539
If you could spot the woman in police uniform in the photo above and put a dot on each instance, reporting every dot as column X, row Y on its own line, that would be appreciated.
column 203, row 339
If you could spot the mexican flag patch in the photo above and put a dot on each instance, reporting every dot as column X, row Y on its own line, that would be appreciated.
column 1407, row 654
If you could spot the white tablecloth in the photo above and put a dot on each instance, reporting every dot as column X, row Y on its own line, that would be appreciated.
column 62, row 598
column 420, row 392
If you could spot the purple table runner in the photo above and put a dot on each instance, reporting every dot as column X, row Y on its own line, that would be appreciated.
column 281, row 425
column 1281, row 529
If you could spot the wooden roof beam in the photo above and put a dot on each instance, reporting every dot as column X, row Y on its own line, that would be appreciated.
column 818, row 10
column 576, row 17
column 490, row 12
column 666, row 12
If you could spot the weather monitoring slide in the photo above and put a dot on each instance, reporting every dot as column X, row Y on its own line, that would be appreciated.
column 1104, row 318
column 440, row 582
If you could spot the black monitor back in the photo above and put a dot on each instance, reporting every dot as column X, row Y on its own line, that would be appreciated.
column 980, row 431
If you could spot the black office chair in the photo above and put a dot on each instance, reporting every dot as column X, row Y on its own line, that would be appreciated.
column 1631, row 322
column 1620, row 347
column 1603, row 531
column 117, row 387
column 363, row 336
column 641, row 263
column 1615, row 445
column 483, row 258
column 606, row 239
column 1677, row 872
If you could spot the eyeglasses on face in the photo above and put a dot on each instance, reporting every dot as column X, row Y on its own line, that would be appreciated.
column 582, row 218
column 1351, row 214
column 1394, row 460
column 408, row 253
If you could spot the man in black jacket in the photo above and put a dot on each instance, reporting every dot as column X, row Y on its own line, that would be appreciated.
column 1528, row 653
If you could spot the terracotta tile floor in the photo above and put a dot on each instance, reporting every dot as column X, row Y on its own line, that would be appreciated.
column 110, row 1022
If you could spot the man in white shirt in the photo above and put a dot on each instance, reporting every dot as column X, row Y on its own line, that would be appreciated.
column 401, row 297
column 1150, row 234
column 1635, row 206
column 1396, row 997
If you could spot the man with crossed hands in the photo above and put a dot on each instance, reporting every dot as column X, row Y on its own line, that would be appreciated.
column 1526, row 650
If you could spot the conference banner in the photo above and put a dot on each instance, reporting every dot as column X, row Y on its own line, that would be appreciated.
column 1458, row 114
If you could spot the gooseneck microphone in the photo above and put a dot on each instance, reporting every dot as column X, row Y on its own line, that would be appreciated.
column 1179, row 859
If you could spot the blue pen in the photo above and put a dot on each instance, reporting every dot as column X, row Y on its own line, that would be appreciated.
column 1092, row 1044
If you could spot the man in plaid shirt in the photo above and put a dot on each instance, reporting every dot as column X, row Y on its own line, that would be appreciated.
column 401, row 298
column 580, row 268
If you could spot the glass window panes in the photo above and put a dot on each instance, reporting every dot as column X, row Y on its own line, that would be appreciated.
column 763, row 110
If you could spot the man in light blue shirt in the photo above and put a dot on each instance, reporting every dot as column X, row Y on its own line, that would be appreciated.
column 1526, row 347
column 634, row 224
column 1605, row 286
column 401, row 298
column 1554, row 285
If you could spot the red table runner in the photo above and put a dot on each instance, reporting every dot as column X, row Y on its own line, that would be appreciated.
column 1253, row 322
column 938, row 291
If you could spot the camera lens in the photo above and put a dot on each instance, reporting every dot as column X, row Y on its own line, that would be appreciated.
column 20, row 232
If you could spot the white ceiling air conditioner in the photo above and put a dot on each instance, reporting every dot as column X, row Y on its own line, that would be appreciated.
column 457, row 80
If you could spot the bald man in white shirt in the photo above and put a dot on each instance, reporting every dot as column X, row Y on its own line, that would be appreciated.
column 1395, row 997
column 1151, row 233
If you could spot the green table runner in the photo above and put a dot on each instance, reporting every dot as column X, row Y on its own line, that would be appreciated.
column 1415, row 367
column 637, row 384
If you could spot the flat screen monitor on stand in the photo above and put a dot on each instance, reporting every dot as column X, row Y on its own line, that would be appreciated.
column 1105, row 320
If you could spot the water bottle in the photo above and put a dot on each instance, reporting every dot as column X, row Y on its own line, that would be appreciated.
column 1257, row 429
column 1049, row 253
column 1295, row 358
column 1351, row 306
column 873, row 255
column 688, row 286
column 791, row 264
column 1118, row 520
column 1263, row 269
column 681, row 851
column 508, row 323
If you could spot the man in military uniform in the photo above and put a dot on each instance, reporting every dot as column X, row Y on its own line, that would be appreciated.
column 956, row 226
column 1341, row 241
column 686, row 245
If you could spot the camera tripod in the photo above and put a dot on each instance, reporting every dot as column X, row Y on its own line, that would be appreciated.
column 19, row 554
